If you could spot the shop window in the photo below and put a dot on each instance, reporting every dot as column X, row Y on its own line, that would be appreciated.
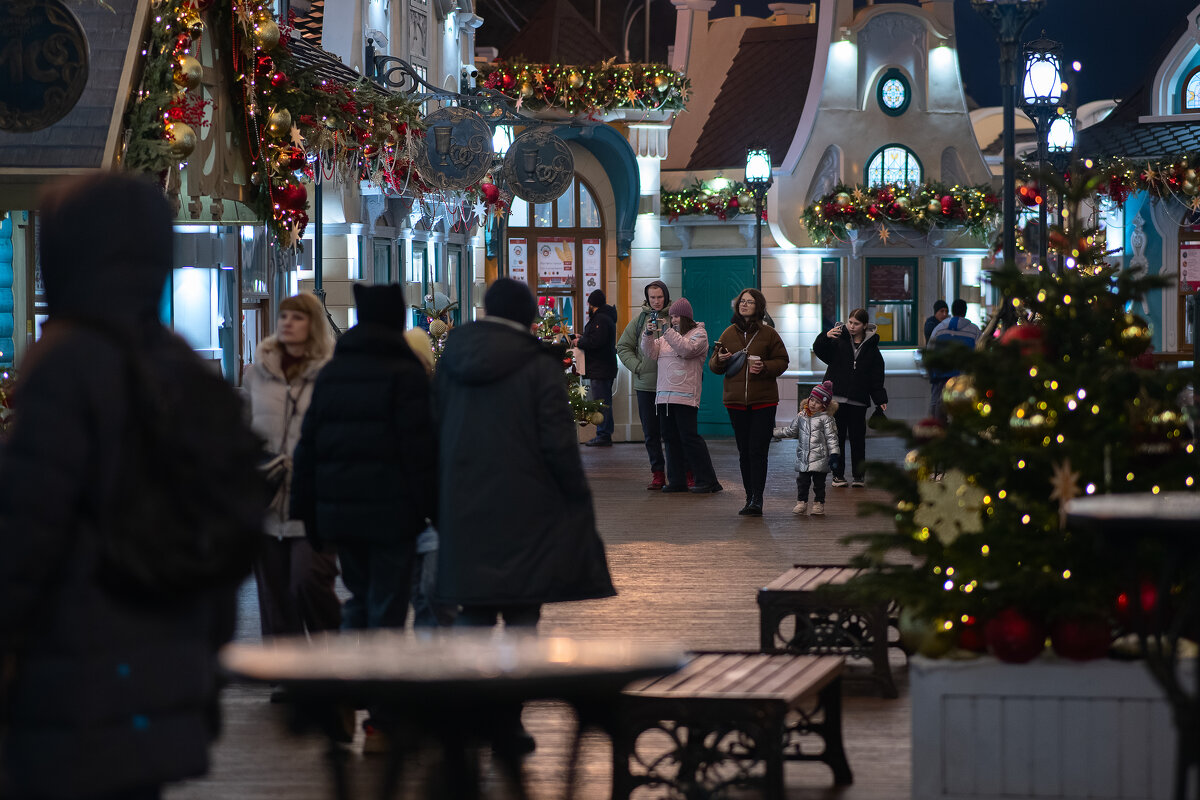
column 893, row 93
column 893, row 165
column 950, row 280
column 831, row 292
column 891, row 299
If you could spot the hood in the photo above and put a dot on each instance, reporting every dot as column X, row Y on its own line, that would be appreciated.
column 485, row 352
column 106, row 247
column 666, row 295
column 375, row 338
column 869, row 330
column 608, row 311
column 269, row 355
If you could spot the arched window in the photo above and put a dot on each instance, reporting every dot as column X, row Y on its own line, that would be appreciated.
column 893, row 164
column 893, row 93
column 1191, row 91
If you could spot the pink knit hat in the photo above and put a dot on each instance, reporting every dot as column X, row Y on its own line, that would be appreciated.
column 823, row 392
column 681, row 308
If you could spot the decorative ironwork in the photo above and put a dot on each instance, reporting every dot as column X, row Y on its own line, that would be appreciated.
column 44, row 61
column 456, row 151
column 539, row 166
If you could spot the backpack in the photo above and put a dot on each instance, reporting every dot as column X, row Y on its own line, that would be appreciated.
column 186, row 509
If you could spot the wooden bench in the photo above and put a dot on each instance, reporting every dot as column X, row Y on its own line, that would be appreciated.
column 821, row 626
column 730, row 720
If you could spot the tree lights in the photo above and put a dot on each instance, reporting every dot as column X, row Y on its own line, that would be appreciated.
column 592, row 89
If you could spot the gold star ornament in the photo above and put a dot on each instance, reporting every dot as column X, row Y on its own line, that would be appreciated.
column 1065, row 483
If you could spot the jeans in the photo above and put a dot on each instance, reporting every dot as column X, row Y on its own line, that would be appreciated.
column 426, row 613
column 685, row 446
column 602, row 390
column 936, row 408
column 817, row 479
column 379, row 577
column 752, row 429
column 651, row 430
column 852, row 425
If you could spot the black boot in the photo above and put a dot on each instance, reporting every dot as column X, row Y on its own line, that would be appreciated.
column 746, row 508
column 754, row 509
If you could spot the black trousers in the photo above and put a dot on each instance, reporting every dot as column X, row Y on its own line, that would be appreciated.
column 685, row 446
column 817, row 479
column 379, row 577
column 852, row 425
column 752, row 429
column 295, row 588
column 651, row 430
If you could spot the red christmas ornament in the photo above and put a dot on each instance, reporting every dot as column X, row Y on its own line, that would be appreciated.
column 183, row 43
column 292, row 196
column 1148, row 595
column 491, row 194
column 1029, row 194
column 929, row 428
column 507, row 81
column 1015, row 638
column 279, row 80
column 947, row 204
column 296, row 158
column 1029, row 338
column 265, row 65
column 971, row 636
column 1081, row 638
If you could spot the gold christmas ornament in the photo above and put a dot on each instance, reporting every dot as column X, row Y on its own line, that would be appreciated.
column 1028, row 417
column 959, row 394
column 183, row 138
column 746, row 201
column 661, row 83
column 279, row 123
column 934, row 206
column 575, row 80
column 438, row 328
column 596, row 418
column 903, row 202
column 1136, row 332
column 187, row 72
column 1188, row 187
column 266, row 34
column 842, row 199
column 526, row 89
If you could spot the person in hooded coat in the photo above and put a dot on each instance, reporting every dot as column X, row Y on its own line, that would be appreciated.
column 100, row 695
column 294, row 581
column 598, row 343
column 364, row 480
column 645, row 375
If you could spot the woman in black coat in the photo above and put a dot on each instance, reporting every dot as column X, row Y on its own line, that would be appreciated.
column 851, row 349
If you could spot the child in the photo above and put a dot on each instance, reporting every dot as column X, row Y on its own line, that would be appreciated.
column 816, row 438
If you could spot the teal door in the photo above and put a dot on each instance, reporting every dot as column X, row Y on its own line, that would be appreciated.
column 710, row 284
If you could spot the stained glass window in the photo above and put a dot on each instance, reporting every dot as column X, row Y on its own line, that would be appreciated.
column 893, row 93
column 893, row 165
column 1191, row 93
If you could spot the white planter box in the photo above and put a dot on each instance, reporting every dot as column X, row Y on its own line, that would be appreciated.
column 984, row 730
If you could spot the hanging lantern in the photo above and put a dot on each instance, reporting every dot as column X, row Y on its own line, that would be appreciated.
column 279, row 123
column 182, row 137
column 187, row 72
column 266, row 34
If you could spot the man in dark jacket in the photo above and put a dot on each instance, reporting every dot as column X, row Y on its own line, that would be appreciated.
column 109, row 696
column 599, row 345
column 362, row 479
column 516, row 523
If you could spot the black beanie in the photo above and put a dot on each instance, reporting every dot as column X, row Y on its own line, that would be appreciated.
column 597, row 299
column 381, row 305
column 510, row 299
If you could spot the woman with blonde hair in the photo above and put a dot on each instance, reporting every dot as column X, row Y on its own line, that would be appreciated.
column 295, row 582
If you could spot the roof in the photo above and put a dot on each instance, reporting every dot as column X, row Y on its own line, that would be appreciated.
column 558, row 34
column 310, row 23
column 762, row 98
column 324, row 64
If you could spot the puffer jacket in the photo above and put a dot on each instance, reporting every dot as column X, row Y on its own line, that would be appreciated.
column 856, row 374
column 629, row 346
column 746, row 388
column 680, row 364
column 277, row 409
column 816, row 438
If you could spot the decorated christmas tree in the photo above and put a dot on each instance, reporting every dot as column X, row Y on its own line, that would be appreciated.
column 1061, row 402
column 555, row 332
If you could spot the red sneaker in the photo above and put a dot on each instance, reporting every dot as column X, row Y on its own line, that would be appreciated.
column 691, row 480
column 657, row 480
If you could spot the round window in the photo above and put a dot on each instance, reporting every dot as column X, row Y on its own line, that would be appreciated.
column 894, row 94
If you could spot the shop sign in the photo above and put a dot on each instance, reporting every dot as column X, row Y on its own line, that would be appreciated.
column 556, row 262
column 456, row 150
column 43, row 63
column 1189, row 267
column 539, row 166
column 591, row 265
column 518, row 264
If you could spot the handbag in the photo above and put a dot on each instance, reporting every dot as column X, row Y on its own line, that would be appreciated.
column 878, row 419
column 736, row 362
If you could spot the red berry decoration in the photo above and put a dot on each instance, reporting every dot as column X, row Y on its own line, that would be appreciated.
column 1081, row 638
column 1014, row 637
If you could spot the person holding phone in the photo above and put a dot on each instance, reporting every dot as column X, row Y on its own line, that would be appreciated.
column 644, row 372
column 855, row 367
column 751, row 392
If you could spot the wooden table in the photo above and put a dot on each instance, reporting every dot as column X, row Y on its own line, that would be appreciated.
column 444, row 685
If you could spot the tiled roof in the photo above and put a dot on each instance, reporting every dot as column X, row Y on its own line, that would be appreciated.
column 762, row 98
column 325, row 64
column 1133, row 140
column 309, row 25
column 558, row 34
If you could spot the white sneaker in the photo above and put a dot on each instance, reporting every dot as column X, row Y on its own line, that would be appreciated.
column 857, row 483
column 839, row 482
column 818, row 509
column 801, row 507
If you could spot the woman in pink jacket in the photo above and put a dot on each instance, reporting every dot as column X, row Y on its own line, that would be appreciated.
column 680, row 351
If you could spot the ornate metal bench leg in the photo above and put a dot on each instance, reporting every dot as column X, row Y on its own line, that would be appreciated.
column 879, row 652
column 835, row 751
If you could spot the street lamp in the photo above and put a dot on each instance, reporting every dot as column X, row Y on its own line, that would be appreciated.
column 758, row 180
column 1060, row 141
column 1008, row 19
column 502, row 139
column 1042, row 90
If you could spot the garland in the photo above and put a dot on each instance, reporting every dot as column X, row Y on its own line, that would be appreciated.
column 555, row 332
column 700, row 199
column 933, row 205
column 597, row 89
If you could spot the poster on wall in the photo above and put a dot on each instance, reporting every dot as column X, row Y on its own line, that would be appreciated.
column 1189, row 267
column 518, row 260
column 591, row 266
column 556, row 262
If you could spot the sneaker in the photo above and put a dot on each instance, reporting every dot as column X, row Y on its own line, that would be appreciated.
column 708, row 488
column 937, row 476
column 802, row 507
column 691, row 479
column 658, row 480
column 598, row 442
column 818, row 509
column 839, row 482
column 857, row 483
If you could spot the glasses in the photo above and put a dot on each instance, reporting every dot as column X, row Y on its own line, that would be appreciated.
column 746, row 301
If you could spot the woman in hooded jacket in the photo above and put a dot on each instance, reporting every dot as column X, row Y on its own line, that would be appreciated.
column 851, row 349
column 295, row 581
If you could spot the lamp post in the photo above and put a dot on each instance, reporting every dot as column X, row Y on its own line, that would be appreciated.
column 502, row 137
column 1060, row 141
column 758, row 180
column 1008, row 19
column 1041, row 92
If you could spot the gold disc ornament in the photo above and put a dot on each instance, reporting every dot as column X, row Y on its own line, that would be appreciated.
column 183, row 138
column 187, row 72
column 266, row 34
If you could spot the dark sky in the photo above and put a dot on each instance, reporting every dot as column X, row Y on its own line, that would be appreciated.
column 1115, row 40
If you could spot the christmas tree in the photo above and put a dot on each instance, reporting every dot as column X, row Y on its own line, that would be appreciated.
column 1061, row 402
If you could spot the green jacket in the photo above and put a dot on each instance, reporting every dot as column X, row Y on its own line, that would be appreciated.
column 645, row 370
